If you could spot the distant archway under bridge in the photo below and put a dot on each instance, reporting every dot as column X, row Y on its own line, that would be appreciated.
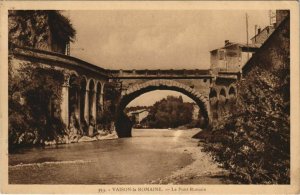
column 124, row 129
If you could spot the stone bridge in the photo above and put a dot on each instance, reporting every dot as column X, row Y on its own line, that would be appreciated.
column 86, row 85
column 214, row 94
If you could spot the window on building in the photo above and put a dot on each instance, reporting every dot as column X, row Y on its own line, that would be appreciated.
column 221, row 55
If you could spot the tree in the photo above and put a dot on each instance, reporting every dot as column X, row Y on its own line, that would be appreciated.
column 41, row 29
column 170, row 112
column 253, row 143
column 34, row 105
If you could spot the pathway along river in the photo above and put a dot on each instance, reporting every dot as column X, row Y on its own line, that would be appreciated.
column 157, row 156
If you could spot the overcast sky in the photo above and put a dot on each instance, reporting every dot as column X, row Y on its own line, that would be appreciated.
column 146, row 39
column 126, row 39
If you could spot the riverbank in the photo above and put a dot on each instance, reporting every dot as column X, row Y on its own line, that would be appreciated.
column 101, row 135
column 149, row 157
column 203, row 170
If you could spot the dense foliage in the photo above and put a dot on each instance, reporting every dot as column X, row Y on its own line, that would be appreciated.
column 170, row 112
column 254, row 142
column 106, row 115
column 31, row 28
column 34, row 104
column 34, row 90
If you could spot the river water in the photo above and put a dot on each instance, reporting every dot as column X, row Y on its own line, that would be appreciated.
column 149, row 155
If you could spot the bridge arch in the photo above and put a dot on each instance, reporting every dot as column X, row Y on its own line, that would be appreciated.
column 71, row 73
column 99, row 100
column 213, row 93
column 223, row 92
column 92, row 102
column 222, row 102
column 232, row 91
column 214, row 100
column 159, row 84
column 83, row 100
column 232, row 97
column 73, row 99
column 83, row 82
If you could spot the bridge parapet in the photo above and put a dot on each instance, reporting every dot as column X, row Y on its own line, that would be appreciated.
column 229, row 75
column 58, row 59
column 170, row 73
column 226, row 73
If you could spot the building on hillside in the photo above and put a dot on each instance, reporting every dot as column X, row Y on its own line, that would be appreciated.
column 261, row 35
column 274, row 53
column 231, row 57
column 43, row 29
column 138, row 115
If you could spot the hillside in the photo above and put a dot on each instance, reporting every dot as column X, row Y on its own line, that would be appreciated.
column 254, row 142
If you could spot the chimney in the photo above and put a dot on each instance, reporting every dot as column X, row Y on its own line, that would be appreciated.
column 258, row 31
column 226, row 42
column 255, row 29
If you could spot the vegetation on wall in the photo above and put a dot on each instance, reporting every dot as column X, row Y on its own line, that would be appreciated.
column 34, row 104
column 253, row 143
column 37, row 28
column 106, row 118
column 34, row 90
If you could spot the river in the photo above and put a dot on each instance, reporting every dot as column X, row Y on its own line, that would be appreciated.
column 150, row 156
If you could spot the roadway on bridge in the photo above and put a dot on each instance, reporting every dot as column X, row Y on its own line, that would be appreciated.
column 150, row 156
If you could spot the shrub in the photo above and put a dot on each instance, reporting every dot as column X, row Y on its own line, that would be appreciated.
column 254, row 142
column 34, row 104
column 170, row 112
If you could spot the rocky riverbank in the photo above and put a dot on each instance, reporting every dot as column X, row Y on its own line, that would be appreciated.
column 203, row 170
column 66, row 139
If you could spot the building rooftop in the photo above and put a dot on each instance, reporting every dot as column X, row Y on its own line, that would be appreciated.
column 242, row 45
column 270, row 29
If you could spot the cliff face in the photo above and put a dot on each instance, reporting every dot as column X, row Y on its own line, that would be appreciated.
column 253, row 143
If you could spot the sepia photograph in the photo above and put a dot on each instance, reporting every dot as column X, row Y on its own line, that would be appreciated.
column 161, row 100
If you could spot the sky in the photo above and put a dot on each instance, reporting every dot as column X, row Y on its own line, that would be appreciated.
column 149, row 98
column 158, row 39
